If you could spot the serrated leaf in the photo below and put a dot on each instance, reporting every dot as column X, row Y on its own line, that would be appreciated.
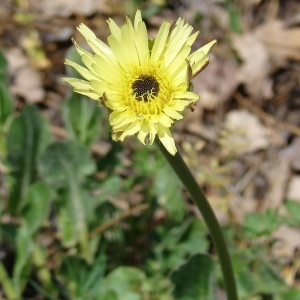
column 82, row 117
column 37, row 206
column 27, row 137
column 110, row 187
column 65, row 166
column 65, row 161
column 259, row 224
column 194, row 280
column 293, row 208
column 255, row 275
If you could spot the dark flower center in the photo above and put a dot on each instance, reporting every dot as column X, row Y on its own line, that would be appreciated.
column 145, row 88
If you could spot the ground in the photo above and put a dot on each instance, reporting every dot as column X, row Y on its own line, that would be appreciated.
column 242, row 139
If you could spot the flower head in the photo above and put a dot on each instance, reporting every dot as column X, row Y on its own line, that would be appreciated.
column 144, row 83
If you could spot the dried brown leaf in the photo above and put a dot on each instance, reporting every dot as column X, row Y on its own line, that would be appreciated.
column 243, row 133
column 27, row 80
column 68, row 7
column 256, row 66
column 283, row 43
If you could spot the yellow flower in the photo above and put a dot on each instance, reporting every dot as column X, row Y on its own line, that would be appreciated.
column 144, row 83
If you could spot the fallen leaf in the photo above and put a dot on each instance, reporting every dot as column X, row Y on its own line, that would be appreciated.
column 292, row 153
column 243, row 133
column 293, row 190
column 28, row 84
column 277, row 173
column 289, row 240
column 282, row 42
column 68, row 7
column 256, row 67
column 27, row 81
column 216, row 83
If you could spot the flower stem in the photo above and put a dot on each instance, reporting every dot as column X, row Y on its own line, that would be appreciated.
column 188, row 180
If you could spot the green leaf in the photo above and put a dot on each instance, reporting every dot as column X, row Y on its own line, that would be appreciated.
column 27, row 137
column 66, row 225
column 37, row 208
column 259, row 224
column 3, row 66
column 292, row 294
column 110, row 187
column 168, row 190
column 85, row 284
column 64, row 162
column 110, row 295
column 293, row 207
column 126, row 282
column 7, row 284
column 166, row 185
column 24, row 248
column 194, row 280
column 90, row 284
column 65, row 166
column 6, row 105
column 255, row 275
column 234, row 16
column 82, row 117
column 270, row 280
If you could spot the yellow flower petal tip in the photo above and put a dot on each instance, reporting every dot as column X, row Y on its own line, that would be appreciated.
column 145, row 84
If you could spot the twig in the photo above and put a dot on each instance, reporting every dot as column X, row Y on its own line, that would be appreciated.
column 118, row 218
column 267, row 118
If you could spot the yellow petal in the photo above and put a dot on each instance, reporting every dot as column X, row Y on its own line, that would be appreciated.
column 172, row 113
column 137, row 19
column 121, row 119
column 165, row 120
column 132, row 129
column 144, row 131
column 160, row 42
column 200, row 58
column 153, row 132
column 87, row 74
column 167, row 140
column 186, row 95
column 114, row 28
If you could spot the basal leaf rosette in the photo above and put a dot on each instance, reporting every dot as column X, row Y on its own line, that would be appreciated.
column 144, row 83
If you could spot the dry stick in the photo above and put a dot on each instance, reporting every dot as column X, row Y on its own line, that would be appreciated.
column 118, row 218
column 269, row 119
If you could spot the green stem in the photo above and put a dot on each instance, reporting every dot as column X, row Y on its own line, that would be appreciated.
column 188, row 180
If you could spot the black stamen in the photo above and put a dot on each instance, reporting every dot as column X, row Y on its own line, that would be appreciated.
column 145, row 88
